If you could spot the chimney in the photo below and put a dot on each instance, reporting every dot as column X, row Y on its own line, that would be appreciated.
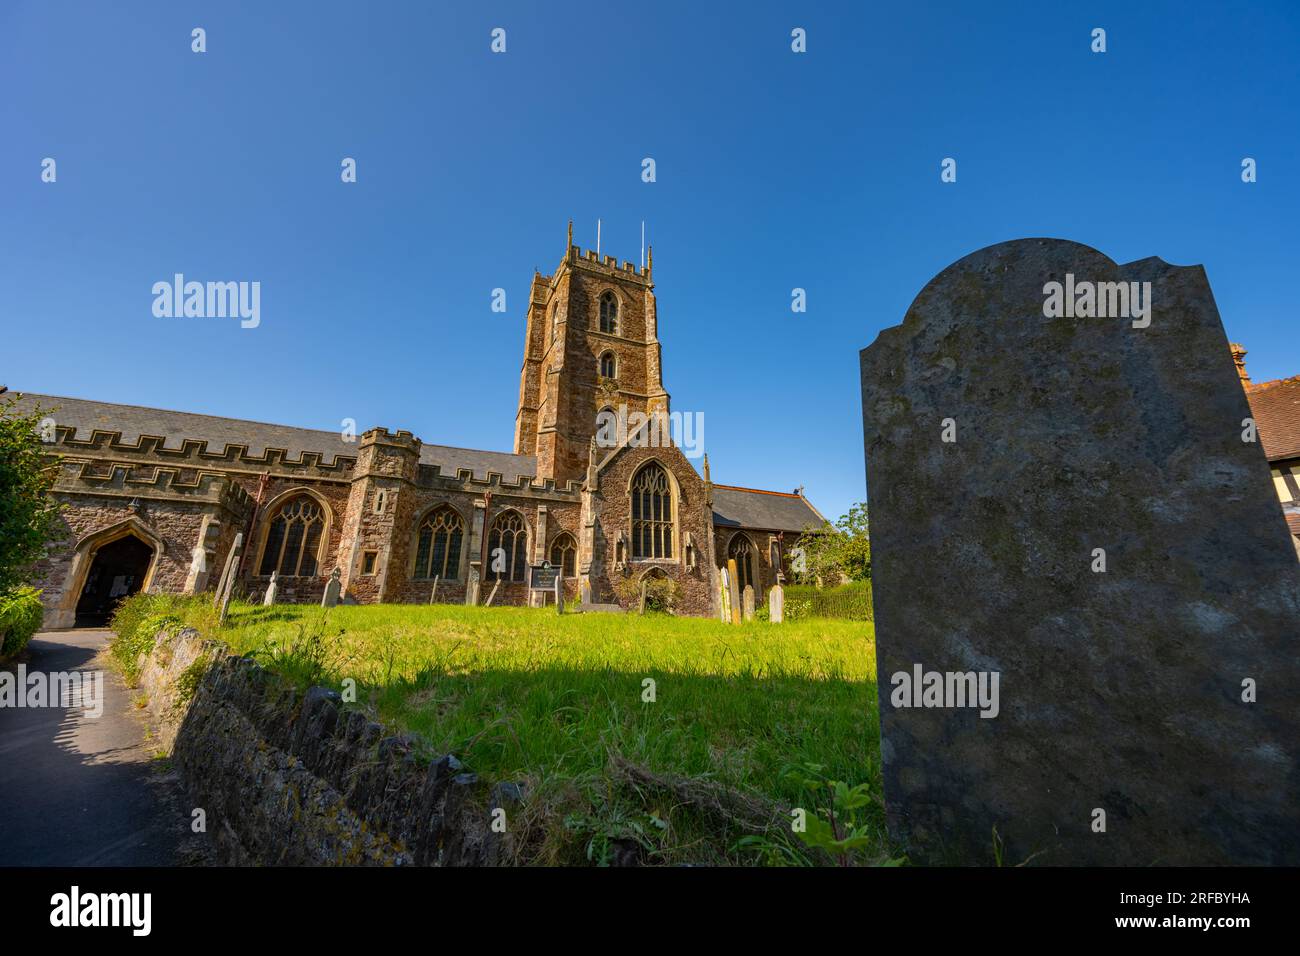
column 1239, row 359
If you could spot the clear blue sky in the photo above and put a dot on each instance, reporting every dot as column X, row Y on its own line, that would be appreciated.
column 775, row 170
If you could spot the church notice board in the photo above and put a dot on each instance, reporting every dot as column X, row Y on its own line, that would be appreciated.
column 541, row 577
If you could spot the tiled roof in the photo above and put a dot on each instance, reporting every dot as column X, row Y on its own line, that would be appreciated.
column 767, row 510
column 136, row 420
column 1275, row 406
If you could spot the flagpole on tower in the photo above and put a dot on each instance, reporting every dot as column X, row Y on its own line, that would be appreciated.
column 642, row 243
column 597, row 238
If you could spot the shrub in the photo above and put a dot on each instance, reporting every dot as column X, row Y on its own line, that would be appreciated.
column 661, row 594
column 136, row 623
column 850, row 602
column 21, row 614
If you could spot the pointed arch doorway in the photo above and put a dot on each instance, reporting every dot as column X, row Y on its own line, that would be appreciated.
column 117, row 571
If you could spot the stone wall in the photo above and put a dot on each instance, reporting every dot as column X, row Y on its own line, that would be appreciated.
column 293, row 779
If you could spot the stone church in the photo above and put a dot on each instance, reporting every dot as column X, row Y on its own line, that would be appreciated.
column 153, row 500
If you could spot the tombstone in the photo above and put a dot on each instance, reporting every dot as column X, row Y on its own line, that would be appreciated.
column 724, row 596
column 471, row 589
column 331, row 598
column 748, row 602
column 271, row 588
column 776, row 604
column 1098, row 537
column 586, row 591
column 493, row 595
column 232, row 562
column 433, row 595
column 227, row 589
column 733, row 591
column 559, row 594
column 641, row 609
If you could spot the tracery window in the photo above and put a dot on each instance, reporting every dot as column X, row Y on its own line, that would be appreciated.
column 437, row 549
column 564, row 553
column 293, row 538
column 609, row 313
column 652, row 513
column 608, row 365
column 742, row 552
column 510, row 535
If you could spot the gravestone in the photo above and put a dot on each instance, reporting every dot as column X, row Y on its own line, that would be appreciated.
column 433, row 594
column 559, row 593
column 232, row 562
column 776, row 604
column 1066, row 505
column 227, row 588
column 748, row 599
column 471, row 591
column 271, row 588
column 641, row 608
column 733, row 591
column 331, row 598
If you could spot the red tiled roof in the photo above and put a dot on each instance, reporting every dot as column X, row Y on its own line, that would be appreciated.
column 1293, row 522
column 1275, row 406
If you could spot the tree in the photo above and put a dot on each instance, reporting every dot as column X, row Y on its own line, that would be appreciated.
column 29, row 516
column 839, row 551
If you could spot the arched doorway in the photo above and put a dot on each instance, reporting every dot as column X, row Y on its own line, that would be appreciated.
column 117, row 571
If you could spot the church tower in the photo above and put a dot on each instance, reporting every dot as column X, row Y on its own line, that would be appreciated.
column 591, row 343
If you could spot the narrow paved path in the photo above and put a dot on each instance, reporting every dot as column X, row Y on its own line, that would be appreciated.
column 77, row 790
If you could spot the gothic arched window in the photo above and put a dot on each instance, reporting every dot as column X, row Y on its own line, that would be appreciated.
column 742, row 552
column 293, row 538
column 652, row 513
column 564, row 553
column 510, row 535
column 608, row 365
column 437, row 549
column 609, row 313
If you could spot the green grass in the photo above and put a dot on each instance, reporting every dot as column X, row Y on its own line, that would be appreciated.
column 527, row 695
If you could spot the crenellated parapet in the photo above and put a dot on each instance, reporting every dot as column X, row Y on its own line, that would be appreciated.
column 197, row 452
column 431, row 476
column 156, row 483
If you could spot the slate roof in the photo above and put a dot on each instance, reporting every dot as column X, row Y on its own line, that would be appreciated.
column 768, row 510
column 136, row 420
column 1275, row 406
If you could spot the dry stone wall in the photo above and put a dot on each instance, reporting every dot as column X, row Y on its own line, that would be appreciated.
column 295, row 779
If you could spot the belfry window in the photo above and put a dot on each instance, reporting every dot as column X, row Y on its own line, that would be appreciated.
column 652, row 514
column 437, row 549
column 609, row 313
column 510, row 536
column 293, row 539
column 608, row 365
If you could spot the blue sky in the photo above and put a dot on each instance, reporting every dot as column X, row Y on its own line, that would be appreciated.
column 775, row 170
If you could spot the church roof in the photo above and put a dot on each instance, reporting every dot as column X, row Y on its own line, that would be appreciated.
column 133, row 421
column 1275, row 407
column 767, row 510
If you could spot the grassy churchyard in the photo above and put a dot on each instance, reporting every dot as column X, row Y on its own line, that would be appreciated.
column 674, row 739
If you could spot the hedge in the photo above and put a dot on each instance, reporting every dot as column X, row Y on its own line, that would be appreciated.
column 850, row 601
column 21, row 614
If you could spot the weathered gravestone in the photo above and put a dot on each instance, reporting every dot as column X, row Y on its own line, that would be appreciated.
column 1067, row 504
column 747, row 602
column 271, row 588
column 332, row 587
column 776, row 604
